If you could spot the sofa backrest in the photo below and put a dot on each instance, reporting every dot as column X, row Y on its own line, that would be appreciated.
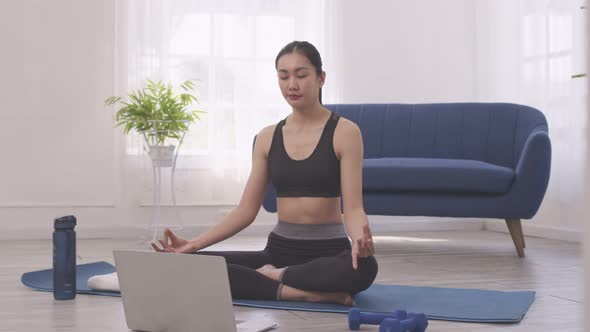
column 490, row 132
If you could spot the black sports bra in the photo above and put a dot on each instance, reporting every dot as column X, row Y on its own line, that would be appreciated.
column 316, row 176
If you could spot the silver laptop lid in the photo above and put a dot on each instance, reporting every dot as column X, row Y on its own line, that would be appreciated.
column 174, row 292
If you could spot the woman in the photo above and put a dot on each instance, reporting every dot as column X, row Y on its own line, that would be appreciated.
column 311, row 157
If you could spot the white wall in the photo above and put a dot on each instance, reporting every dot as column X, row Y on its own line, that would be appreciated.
column 56, row 70
column 407, row 51
column 57, row 140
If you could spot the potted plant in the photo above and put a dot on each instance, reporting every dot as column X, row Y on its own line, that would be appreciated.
column 159, row 114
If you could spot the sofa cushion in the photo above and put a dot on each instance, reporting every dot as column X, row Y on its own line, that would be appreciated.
column 435, row 175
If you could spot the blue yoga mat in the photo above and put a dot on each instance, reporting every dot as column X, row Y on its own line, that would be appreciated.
column 43, row 280
column 453, row 304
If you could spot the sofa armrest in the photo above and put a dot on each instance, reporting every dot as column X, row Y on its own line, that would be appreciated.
column 532, row 171
column 536, row 155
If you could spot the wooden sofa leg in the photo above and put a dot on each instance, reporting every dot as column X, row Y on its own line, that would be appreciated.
column 515, row 228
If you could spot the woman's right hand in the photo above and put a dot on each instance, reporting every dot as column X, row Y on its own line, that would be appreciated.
column 174, row 244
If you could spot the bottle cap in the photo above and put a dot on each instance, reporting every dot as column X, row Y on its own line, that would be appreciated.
column 65, row 222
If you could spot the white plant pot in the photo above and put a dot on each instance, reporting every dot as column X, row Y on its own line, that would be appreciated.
column 162, row 156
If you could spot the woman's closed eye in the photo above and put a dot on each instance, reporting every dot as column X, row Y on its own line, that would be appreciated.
column 286, row 77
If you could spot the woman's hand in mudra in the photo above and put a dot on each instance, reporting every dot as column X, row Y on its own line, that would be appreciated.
column 174, row 244
column 362, row 247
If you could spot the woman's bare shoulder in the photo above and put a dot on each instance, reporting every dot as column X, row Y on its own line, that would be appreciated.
column 346, row 126
column 346, row 130
column 264, row 137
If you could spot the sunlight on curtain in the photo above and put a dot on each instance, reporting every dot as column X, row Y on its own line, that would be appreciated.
column 228, row 48
column 529, row 52
column 555, row 53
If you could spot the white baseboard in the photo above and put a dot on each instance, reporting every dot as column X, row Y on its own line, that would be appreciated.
column 265, row 222
column 530, row 229
column 389, row 224
column 262, row 226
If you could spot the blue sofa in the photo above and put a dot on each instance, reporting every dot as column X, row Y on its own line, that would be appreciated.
column 482, row 160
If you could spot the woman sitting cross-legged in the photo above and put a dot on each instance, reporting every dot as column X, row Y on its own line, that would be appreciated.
column 312, row 157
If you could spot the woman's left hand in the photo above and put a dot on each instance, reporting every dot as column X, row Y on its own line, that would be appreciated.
column 173, row 244
column 362, row 247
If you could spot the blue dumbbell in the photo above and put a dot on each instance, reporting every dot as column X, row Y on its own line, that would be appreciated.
column 356, row 317
column 414, row 323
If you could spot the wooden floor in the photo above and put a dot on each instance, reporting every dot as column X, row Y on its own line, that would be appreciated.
column 449, row 259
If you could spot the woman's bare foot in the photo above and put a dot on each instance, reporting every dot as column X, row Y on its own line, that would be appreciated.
column 339, row 298
column 266, row 267
column 293, row 294
column 271, row 271
column 289, row 293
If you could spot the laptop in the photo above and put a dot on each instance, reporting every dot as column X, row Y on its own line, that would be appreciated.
column 178, row 292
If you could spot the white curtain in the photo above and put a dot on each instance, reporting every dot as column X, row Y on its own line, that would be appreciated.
column 228, row 48
column 528, row 51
